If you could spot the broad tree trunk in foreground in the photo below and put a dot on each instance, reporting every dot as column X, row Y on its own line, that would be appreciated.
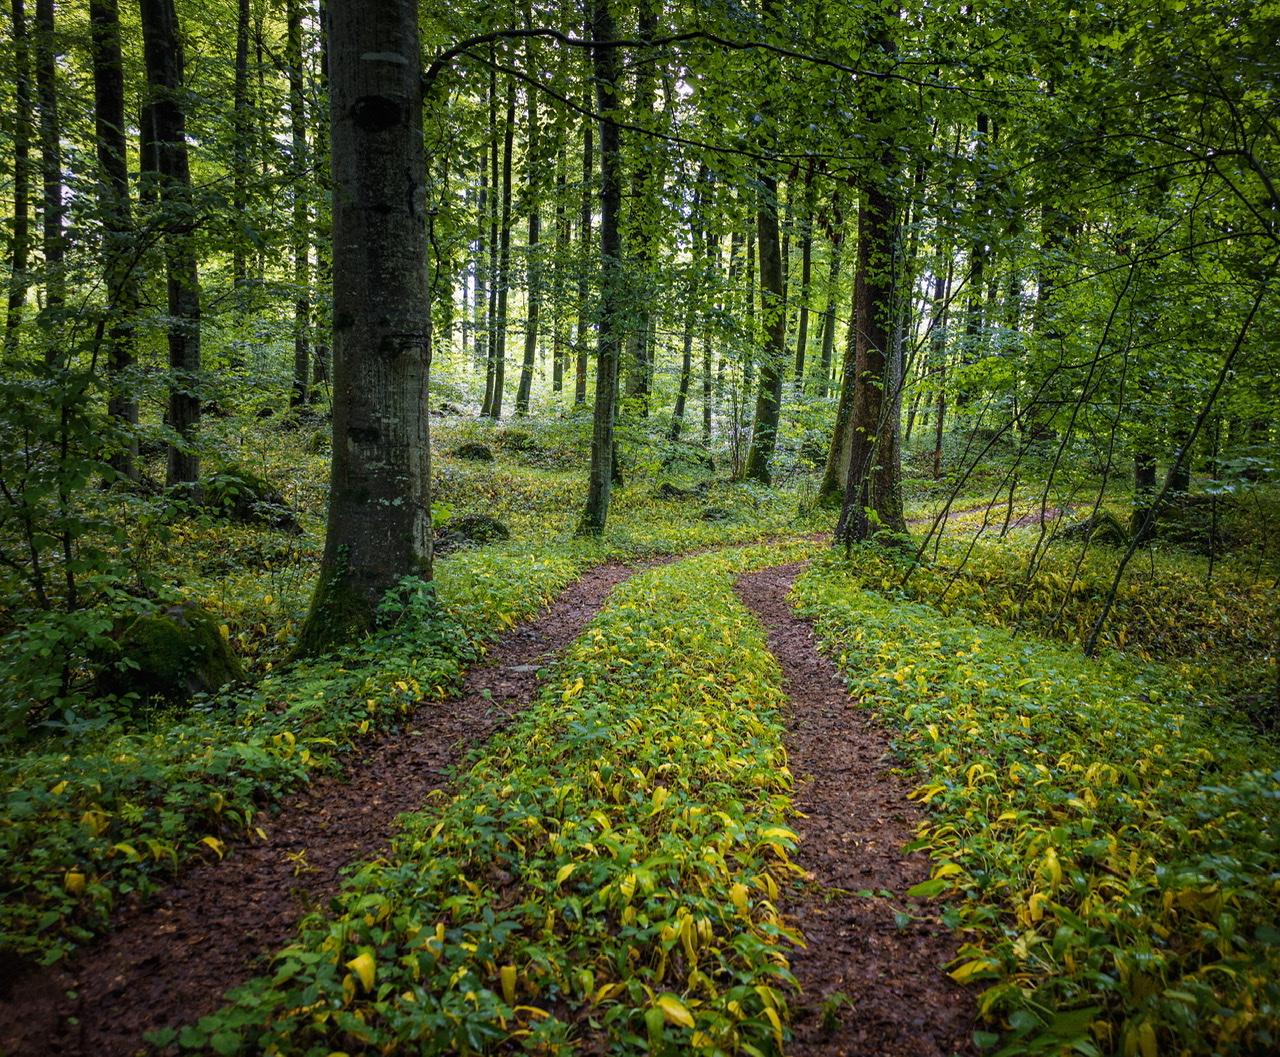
column 379, row 527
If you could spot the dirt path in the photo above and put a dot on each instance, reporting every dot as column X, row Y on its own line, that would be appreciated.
column 171, row 963
column 854, row 817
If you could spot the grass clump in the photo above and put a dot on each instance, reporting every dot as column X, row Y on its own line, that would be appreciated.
column 1110, row 855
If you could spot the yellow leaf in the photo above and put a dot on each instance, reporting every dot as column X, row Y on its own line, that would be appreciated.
column 738, row 896
column 364, row 967
column 563, row 873
column 508, row 975
column 215, row 844
column 675, row 1011
column 971, row 969
column 59, row 789
column 74, row 880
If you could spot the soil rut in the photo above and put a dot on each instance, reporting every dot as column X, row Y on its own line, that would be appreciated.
column 170, row 963
column 869, row 986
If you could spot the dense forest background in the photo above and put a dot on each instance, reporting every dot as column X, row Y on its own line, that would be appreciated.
column 339, row 337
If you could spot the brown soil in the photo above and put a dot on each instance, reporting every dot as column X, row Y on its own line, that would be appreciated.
column 168, row 964
column 869, row 986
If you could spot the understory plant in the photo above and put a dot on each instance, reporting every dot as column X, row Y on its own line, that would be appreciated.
column 1108, row 848
column 610, row 865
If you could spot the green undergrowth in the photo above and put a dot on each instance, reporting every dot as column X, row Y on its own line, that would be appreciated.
column 1109, row 850
column 608, row 865
column 1215, row 627
column 122, row 812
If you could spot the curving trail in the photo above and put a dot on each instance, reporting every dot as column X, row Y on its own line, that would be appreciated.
column 854, row 816
column 170, row 963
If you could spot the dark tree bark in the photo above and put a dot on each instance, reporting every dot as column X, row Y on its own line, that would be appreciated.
column 21, row 241
column 642, row 240
column 54, row 209
column 605, row 65
column 300, row 231
column 559, row 340
column 165, row 146
column 503, row 276
column 584, row 234
column 764, row 429
column 833, row 292
column 872, row 496
column 323, row 232
column 379, row 525
column 242, row 129
column 533, row 181
column 118, row 251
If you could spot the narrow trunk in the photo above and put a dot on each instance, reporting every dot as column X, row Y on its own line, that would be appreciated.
column 764, row 429
column 503, row 277
column 584, row 234
column 559, row 343
column 165, row 143
column 534, row 271
column 829, row 314
column 51, row 176
column 301, row 230
column 242, row 130
column 21, row 241
column 118, row 249
column 605, row 63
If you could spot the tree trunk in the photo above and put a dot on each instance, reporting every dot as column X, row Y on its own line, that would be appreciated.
column 533, row 179
column 21, row 242
column 697, row 264
column 51, row 175
column 605, row 64
column 118, row 249
column 242, row 130
column 503, row 276
column 379, row 524
column 806, row 273
column 322, row 235
column 872, row 497
column 584, row 233
column 559, row 342
column 833, row 293
column 165, row 144
column 301, row 228
column 764, row 430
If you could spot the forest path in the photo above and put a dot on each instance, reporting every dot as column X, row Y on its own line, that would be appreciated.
column 854, row 818
column 171, row 963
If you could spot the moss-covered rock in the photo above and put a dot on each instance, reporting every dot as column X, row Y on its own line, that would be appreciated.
column 470, row 530
column 170, row 655
column 473, row 451
column 242, row 496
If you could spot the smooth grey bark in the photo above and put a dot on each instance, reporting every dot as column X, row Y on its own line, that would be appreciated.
column 605, row 64
column 119, row 254
column 533, row 180
column 559, row 339
column 165, row 146
column 833, row 292
column 379, row 524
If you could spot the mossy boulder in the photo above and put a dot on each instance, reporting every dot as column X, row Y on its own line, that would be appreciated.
column 470, row 530
column 243, row 497
column 1102, row 528
column 170, row 655
column 473, row 451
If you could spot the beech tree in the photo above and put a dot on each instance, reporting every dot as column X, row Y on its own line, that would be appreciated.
column 379, row 525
